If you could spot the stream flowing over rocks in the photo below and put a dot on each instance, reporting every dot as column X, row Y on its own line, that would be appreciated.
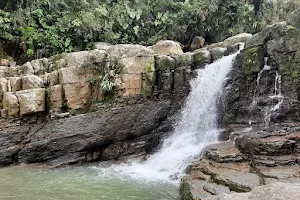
column 125, row 101
column 260, row 113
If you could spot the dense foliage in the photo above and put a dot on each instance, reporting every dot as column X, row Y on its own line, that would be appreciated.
column 46, row 27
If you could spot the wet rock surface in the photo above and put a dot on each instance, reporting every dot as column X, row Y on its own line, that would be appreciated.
column 255, row 158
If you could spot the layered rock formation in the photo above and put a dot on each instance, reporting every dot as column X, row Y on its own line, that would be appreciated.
column 260, row 112
column 96, row 105
column 254, row 159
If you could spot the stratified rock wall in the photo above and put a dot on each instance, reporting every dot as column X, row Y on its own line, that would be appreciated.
column 265, row 81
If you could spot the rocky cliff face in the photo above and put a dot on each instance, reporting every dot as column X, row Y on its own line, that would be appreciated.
column 97, row 105
column 265, row 81
column 260, row 114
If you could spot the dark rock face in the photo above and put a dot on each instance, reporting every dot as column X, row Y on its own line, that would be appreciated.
column 265, row 80
column 98, row 136
column 262, row 92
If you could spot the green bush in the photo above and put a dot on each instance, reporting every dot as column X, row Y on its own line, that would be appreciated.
column 47, row 27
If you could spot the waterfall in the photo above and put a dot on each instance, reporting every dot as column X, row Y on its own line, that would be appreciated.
column 277, row 97
column 196, row 128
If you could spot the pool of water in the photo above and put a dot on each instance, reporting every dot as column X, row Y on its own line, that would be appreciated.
column 78, row 183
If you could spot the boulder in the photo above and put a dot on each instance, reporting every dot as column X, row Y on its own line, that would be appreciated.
column 27, row 68
column 132, row 84
column 280, row 191
column 79, row 67
column 15, row 83
column 71, row 75
column 51, row 79
column 217, row 53
column 56, row 98
column 11, row 104
column 163, row 62
column 253, row 60
column 3, row 71
column 184, row 60
column 179, row 78
column 240, row 38
column 167, row 47
column 31, row 101
column 197, row 43
column 165, row 80
column 132, row 59
column 270, row 32
column 201, row 57
column 3, row 85
column 4, row 62
column 31, row 82
column 148, row 83
column 40, row 66
column 102, row 45
column 293, row 19
column 14, row 71
column 77, row 95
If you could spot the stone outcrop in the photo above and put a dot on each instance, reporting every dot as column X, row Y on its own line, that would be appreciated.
column 264, row 84
column 98, row 136
column 167, row 47
column 286, row 191
column 260, row 111
column 254, row 159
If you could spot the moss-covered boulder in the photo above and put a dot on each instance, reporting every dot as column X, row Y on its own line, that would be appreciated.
column 293, row 38
column 163, row 62
column 253, row 60
column 148, row 83
column 217, row 53
column 201, row 57
column 294, row 18
column 184, row 60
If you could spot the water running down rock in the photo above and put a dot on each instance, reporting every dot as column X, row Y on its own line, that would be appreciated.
column 196, row 128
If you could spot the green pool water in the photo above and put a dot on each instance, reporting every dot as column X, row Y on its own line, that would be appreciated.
column 78, row 183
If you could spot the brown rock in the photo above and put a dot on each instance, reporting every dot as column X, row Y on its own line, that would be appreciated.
column 3, row 85
column 27, row 68
column 4, row 62
column 31, row 82
column 77, row 95
column 31, row 101
column 11, row 104
column 56, row 98
column 280, row 191
column 168, row 48
column 197, row 43
column 132, row 81
column 15, row 83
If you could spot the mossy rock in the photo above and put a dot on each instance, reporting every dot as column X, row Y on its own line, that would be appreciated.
column 201, row 57
column 163, row 63
column 185, row 191
column 294, row 18
column 217, row 53
column 293, row 38
column 289, row 68
column 253, row 60
column 149, row 65
column 148, row 83
column 184, row 60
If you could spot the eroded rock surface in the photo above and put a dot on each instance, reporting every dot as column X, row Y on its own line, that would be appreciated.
column 255, row 159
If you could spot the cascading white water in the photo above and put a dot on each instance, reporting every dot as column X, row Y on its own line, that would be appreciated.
column 196, row 128
column 270, row 110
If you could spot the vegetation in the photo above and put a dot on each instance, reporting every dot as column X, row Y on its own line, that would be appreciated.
column 41, row 28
